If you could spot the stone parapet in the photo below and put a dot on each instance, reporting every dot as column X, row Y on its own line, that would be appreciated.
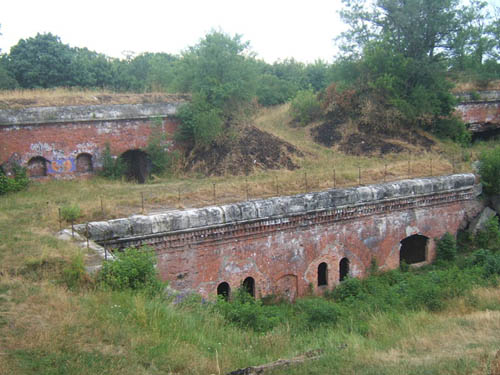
column 48, row 115
column 302, row 209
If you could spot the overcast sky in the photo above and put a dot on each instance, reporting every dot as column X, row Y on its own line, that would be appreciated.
column 276, row 29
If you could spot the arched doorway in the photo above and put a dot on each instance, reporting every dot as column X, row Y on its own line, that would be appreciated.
column 84, row 163
column 37, row 166
column 224, row 290
column 249, row 285
column 138, row 165
column 343, row 269
column 413, row 249
column 323, row 274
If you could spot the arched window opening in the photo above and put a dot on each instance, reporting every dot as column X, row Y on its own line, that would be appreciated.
column 343, row 269
column 138, row 165
column 322, row 274
column 37, row 167
column 413, row 249
column 224, row 290
column 249, row 285
column 84, row 163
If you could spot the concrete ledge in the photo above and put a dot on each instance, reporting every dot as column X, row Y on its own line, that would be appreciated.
column 277, row 208
column 46, row 115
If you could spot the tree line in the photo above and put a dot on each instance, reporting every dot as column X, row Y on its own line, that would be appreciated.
column 400, row 57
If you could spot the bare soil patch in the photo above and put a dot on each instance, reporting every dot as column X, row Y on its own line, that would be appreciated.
column 367, row 140
column 252, row 149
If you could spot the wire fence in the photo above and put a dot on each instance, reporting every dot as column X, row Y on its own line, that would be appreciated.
column 154, row 198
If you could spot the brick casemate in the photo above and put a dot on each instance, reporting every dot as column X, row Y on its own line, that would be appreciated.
column 290, row 245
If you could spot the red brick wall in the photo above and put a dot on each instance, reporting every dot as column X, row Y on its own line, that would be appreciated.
column 286, row 261
column 61, row 143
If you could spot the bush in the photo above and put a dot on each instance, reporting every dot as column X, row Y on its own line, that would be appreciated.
column 74, row 274
column 489, row 238
column 315, row 312
column 246, row 312
column 11, row 185
column 351, row 287
column 305, row 107
column 132, row 269
column 489, row 169
column 446, row 248
column 71, row 212
column 201, row 123
column 452, row 128
column 112, row 167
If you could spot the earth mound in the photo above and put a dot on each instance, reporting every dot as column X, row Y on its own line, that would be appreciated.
column 364, row 140
column 251, row 149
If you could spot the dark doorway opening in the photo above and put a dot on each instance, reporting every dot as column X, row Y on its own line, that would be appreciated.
column 343, row 269
column 84, row 163
column 138, row 165
column 224, row 290
column 249, row 285
column 323, row 274
column 37, row 167
column 413, row 249
column 487, row 135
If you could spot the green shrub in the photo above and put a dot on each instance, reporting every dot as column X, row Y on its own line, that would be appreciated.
column 489, row 169
column 454, row 129
column 112, row 167
column 10, row 185
column 446, row 248
column 247, row 312
column 305, row 107
column 74, row 274
column 71, row 212
column 201, row 122
column 315, row 312
column 132, row 269
column 351, row 287
column 487, row 260
column 489, row 238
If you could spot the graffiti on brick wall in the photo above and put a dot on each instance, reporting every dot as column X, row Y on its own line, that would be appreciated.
column 59, row 166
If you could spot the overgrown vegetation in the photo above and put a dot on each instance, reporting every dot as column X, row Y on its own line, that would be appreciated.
column 132, row 269
column 17, row 183
column 489, row 169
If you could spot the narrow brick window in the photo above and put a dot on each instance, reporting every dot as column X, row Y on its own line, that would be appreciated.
column 323, row 274
column 224, row 290
column 249, row 285
column 343, row 269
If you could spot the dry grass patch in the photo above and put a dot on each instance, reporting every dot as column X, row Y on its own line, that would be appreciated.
column 59, row 97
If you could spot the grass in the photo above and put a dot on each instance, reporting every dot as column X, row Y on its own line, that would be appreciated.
column 47, row 328
column 17, row 99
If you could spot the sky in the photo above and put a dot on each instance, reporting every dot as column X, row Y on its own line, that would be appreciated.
column 276, row 29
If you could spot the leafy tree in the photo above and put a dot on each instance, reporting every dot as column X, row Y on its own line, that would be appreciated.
column 415, row 29
column 396, row 51
column 220, row 73
column 43, row 61
column 219, row 68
